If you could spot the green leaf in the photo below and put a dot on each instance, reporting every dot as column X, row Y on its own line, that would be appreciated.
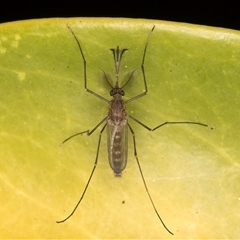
column 192, row 172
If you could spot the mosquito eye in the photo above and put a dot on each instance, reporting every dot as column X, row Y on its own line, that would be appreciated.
column 122, row 93
column 112, row 92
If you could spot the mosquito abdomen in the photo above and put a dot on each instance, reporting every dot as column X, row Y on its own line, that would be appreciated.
column 117, row 147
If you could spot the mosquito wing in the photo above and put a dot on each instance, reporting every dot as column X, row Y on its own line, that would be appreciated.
column 117, row 147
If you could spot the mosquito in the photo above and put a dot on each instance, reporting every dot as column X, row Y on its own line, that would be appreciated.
column 116, row 122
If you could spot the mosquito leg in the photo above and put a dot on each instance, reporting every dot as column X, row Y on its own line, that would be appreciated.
column 144, row 182
column 94, row 167
column 85, row 68
column 165, row 123
column 87, row 131
column 143, row 71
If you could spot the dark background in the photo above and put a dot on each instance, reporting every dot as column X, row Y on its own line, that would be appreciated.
column 205, row 12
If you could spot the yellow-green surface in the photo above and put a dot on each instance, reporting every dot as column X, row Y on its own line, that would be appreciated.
column 192, row 172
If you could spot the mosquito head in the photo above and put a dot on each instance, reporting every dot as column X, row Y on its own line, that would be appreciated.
column 117, row 57
column 116, row 91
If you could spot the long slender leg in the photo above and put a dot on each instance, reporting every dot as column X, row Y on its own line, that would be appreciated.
column 85, row 69
column 144, row 182
column 94, row 167
column 87, row 131
column 165, row 123
column 143, row 71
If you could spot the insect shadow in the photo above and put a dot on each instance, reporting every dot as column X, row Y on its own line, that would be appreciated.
column 116, row 122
